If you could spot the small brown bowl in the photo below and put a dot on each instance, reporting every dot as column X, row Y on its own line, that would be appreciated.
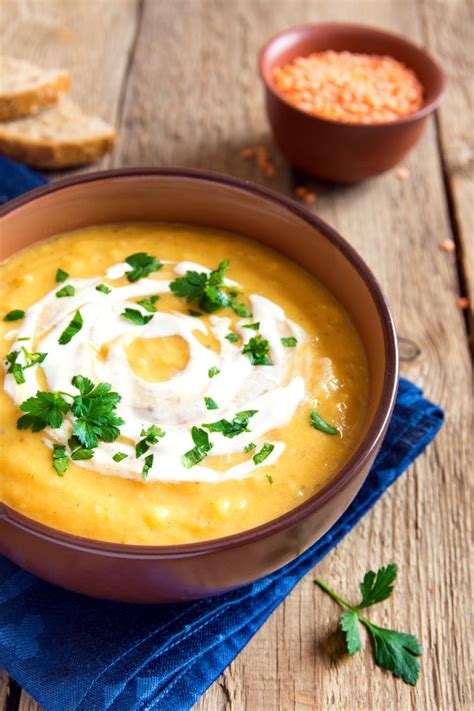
column 334, row 150
column 135, row 573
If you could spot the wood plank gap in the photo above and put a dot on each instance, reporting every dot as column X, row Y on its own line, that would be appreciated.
column 130, row 60
column 12, row 701
column 457, row 238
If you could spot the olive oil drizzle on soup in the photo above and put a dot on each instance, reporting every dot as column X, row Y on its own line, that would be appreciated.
column 204, row 384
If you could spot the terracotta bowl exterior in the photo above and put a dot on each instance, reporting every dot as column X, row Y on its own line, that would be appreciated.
column 183, row 572
column 332, row 150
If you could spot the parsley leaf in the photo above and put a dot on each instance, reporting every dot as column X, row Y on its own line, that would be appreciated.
column 250, row 447
column 118, row 456
column 350, row 625
column 94, row 409
column 257, row 348
column 43, row 410
column 232, row 337
column 136, row 316
column 214, row 370
column 191, row 312
column 147, row 466
column 239, row 309
column 14, row 315
column 266, row 450
column 149, row 304
column 394, row 651
column 290, row 342
column 377, row 587
column 150, row 436
column 201, row 449
column 319, row 424
column 16, row 369
column 253, row 326
column 269, row 477
column 142, row 264
column 70, row 331
column 60, row 459
column 203, row 288
column 211, row 404
column 232, row 429
column 61, row 275
column 68, row 290
column 103, row 288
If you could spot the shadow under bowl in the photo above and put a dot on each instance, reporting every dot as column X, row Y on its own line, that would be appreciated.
column 334, row 150
column 152, row 574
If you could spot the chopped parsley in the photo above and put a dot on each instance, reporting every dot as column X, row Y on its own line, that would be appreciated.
column 16, row 369
column 270, row 478
column 266, row 450
column 231, row 429
column 394, row 651
column 136, row 316
column 150, row 436
column 253, row 326
column 213, row 371
column 70, row 331
column 94, row 418
column 142, row 264
column 250, row 447
column 232, row 337
column 118, row 456
column 60, row 459
column 199, row 451
column 319, row 424
column 194, row 313
column 24, row 338
column 61, row 275
column 14, row 315
column 103, row 288
column 147, row 465
column 290, row 342
column 68, row 290
column 238, row 308
column 257, row 349
column 149, row 304
column 211, row 404
column 209, row 290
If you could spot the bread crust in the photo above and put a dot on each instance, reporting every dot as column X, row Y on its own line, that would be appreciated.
column 50, row 155
column 32, row 101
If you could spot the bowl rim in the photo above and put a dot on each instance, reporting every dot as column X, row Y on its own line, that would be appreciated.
column 363, row 453
column 424, row 111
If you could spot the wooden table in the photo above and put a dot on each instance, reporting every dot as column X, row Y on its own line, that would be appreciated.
column 178, row 78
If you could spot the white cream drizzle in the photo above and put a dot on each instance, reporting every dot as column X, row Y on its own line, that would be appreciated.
column 174, row 405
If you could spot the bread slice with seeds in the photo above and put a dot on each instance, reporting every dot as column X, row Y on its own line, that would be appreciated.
column 26, row 89
column 60, row 137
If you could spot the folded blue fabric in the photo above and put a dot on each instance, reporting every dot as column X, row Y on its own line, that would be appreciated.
column 76, row 653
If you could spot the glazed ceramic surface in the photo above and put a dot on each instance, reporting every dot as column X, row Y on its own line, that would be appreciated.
column 337, row 151
column 183, row 572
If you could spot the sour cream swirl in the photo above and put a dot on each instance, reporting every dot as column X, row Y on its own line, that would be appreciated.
column 177, row 404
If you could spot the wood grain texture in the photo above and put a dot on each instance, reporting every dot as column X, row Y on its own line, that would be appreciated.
column 193, row 98
column 449, row 32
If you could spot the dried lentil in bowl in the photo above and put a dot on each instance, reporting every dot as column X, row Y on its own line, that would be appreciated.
column 350, row 87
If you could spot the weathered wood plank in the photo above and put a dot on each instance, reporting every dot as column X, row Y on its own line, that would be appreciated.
column 194, row 98
column 449, row 31
column 3, row 690
column 90, row 38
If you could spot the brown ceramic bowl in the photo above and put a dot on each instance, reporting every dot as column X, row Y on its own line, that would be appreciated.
column 333, row 150
column 183, row 572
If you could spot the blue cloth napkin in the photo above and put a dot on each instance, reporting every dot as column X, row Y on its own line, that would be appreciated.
column 76, row 653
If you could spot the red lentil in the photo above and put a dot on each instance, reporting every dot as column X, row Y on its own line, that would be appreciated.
column 262, row 159
column 448, row 245
column 463, row 303
column 402, row 173
column 350, row 87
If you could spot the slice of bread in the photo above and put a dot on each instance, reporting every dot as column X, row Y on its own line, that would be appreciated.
column 26, row 89
column 60, row 137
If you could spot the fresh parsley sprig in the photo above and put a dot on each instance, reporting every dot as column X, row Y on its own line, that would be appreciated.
column 149, row 436
column 394, row 651
column 209, row 290
column 16, row 368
